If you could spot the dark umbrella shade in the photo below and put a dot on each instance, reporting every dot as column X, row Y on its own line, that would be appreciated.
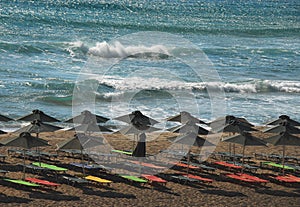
column 185, row 117
column 284, row 118
column 3, row 132
column 131, row 129
column 92, row 127
column 80, row 142
column 137, row 118
column 191, row 139
column 87, row 117
column 25, row 141
column 37, row 127
column 5, row 118
column 282, row 127
column 234, row 127
column 245, row 139
column 38, row 115
column 229, row 119
column 190, row 127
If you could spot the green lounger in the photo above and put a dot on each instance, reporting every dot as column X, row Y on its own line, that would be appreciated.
column 122, row 152
column 134, row 178
column 50, row 167
column 273, row 164
column 22, row 182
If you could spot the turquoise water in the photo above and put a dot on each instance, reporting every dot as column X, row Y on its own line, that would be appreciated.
column 253, row 45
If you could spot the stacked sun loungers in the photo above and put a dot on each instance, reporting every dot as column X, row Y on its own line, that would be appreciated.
column 285, row 178
column 229, row 166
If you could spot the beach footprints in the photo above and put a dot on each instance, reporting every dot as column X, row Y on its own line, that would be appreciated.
column 119, row 72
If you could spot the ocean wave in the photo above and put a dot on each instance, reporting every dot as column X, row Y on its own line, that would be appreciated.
column 117, row 50
column 119, row 86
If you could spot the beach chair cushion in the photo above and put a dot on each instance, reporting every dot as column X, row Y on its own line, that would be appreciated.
column 22, row 182
column 50, row 167
column 134, row 178
column 97, row 179
column 42, row 182
column 153, row 178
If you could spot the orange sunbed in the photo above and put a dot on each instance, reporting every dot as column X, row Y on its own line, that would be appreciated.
column 251, row 177
column 180, row 164
column 237, row 177
column 229, row 165
column 196, row 177
column 287, row 178
column 154, row 179
column 42, row 182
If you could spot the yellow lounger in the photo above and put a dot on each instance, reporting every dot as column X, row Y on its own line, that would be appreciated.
column 97, row 179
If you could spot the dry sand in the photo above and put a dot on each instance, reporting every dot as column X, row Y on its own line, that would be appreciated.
column 220, row 193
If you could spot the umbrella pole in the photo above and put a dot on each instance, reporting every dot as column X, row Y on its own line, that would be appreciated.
column 188, row 167
column 233, row 152
column 283, row 155
column 24, row 164
column 243, row 158
column 83, row 171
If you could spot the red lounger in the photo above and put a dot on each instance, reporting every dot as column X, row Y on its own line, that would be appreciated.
column 196, row 177
column 42, row 182
column 251, row 177
column 154, row 179
column 180, row 164
column 287, row 178
column 237, row 177
column 229, row 165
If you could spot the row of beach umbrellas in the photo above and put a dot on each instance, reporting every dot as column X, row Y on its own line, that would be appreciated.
column 139, row 124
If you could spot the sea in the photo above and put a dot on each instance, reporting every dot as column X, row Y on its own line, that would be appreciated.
column 208, row 57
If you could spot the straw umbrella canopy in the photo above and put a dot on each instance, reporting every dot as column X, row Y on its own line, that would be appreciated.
column 25, row 141
column 86, row 117
column 37, row 126
column 5, row 118
column 80, row 142
column 38, row 115
column 90, row 127
column 190, row 127
column 191, row 139
column 283, row 126
column 245, row 139
column 282, row 118
column 3, row 132
column 137, row 118
column 284, row 139
column 184, row 117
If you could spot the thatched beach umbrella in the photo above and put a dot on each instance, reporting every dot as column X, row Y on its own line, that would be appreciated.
column 80, row 142
column 283, row 126
column 137, row 118
column 25, row 141
column 284, row 139
column 190, row 127
column 245, row 139
column 87, row 117
column 184, row 117
column 5, row 118
column 38, row 115
column 282, row 118
column 36, row 126
column 190, row 139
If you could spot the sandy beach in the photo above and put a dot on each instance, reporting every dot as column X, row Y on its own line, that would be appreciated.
column 221, row 192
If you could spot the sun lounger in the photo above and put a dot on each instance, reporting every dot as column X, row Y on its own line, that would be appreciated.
column 50, row 167
column 246, row 178
column 197, row 177
column 228, row 165
column 22, row 182
column 34, row 169
column 286, row 178
column 134, row 179
column 274, row 165
column 42, row 182
column 201, row 166
column 184, row 179
column 74, row 180
column 3, row 172
column 154, row 179
column 98, row 180
column 180, row 164
column 246, row 166
column 149, row 165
